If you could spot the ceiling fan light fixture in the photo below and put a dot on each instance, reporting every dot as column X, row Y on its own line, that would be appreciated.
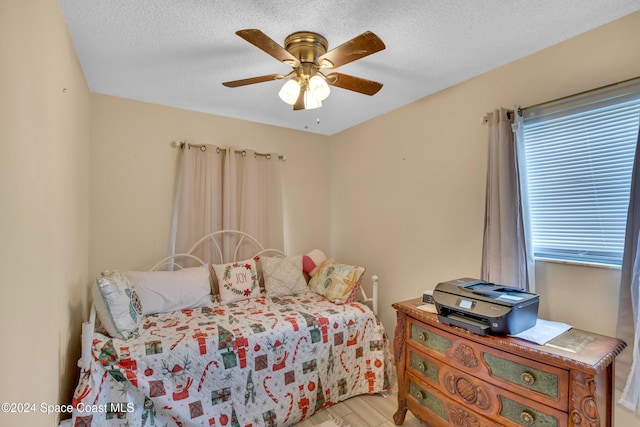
column 319, row 87
column 310, row 101
column 290, row 91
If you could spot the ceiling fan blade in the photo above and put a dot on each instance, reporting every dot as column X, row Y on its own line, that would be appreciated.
column 299, row 105
column 358, row 47
column 356, row 84
column 252, row 80
column 266, row 43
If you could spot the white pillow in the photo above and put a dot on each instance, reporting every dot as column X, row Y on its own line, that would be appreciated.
column 165, row 291
column 283, row 276
column 237, row 280
column 117, row 304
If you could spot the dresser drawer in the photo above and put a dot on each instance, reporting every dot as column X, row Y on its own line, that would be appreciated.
column 422, row 366
column 545, row 380
column 538, row 381
column 484, row 400
column 519, row 414
column 429, row 404
column 428, row 338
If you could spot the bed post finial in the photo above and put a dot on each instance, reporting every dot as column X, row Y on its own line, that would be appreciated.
column 374, row 280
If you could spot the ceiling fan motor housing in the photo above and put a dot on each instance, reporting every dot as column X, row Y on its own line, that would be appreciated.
column 306, row 46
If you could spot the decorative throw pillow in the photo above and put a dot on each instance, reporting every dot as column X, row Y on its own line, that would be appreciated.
column 313, row 260
column 165, row 291
column 117, row 304
column 215, row 289
column 237, row 281
column 283, row 276
column 338, row 283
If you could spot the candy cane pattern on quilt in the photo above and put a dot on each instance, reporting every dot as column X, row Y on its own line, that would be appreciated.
column 104, row 377
column 357, row 378
column 156, row 334
column 274, row 323
column 193, row 318
column 295, row 353
column 344, row 366
column 290, row 407
column 364, row 330
column 264, row 384
column 253, row 319
column 171, row 325
column 173, row 417
column 182, row 335
column 204, row 373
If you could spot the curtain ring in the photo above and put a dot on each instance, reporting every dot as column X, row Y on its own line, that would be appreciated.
column 203, row 148
column 268, row 156
column 218, row 150
column 243, row 153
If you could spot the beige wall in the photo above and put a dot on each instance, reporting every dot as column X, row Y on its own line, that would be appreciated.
column 402, row 194
column 44, row 214
column 408, row 187
column 133, row 170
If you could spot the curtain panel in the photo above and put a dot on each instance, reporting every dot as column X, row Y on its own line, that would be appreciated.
column 506, row 253
column 225, row 189
column 628, row 328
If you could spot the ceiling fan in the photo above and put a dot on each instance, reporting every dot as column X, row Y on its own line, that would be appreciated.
column 306, row 52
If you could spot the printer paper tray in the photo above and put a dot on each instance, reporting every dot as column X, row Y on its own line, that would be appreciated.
column 466, row 323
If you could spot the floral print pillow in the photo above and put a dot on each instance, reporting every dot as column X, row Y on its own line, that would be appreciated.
column 237, row 280
column 338, row 283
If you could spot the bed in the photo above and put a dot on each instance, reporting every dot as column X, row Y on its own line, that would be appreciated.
column 270, row 354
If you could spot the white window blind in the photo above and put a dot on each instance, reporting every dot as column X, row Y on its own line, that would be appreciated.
column 579, row 156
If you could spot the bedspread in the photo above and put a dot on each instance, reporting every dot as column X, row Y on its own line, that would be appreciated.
column 259, row 362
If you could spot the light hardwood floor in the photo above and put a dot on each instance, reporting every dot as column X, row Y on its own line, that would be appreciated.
column 364, row 411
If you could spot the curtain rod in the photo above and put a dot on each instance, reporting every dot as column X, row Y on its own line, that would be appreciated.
column 485, row 118
column 578, row 94
column 202, row 147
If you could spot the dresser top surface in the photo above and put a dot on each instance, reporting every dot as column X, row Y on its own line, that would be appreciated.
column 584, row 350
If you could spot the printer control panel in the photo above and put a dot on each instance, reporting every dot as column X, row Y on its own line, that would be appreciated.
column 466, row 304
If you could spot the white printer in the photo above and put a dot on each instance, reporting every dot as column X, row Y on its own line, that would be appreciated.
column 485, row 308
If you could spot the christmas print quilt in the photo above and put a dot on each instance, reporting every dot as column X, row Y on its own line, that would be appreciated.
column 258, row 362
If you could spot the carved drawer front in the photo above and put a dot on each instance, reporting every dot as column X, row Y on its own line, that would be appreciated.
column 449, row 413
column 521, row 414
column 524, row 376
column 428, row 399
column 548, row 384
column 496, row 403
column 540, row 382
column 428, row 338
column 468, row 390
column 422, row 366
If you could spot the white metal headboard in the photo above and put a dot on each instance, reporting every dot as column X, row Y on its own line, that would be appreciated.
column 224, row 246
column 219, row 247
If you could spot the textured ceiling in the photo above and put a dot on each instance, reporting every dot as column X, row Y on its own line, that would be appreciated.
column 178, row 53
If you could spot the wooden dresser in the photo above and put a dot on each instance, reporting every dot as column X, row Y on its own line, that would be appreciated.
column 448, row 376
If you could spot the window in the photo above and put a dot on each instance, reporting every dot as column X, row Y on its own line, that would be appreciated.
column 579, row 155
